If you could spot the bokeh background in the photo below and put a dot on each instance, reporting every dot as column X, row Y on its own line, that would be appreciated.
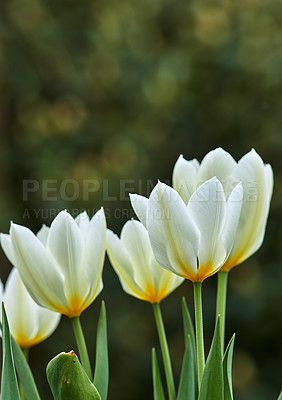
column 98, row 99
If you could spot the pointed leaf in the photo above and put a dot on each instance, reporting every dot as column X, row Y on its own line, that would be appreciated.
column 188, row 325
column 101, row 375
column 280, row 396
column 189, row 331
column 68, row 380
column 212, row 382
column 227, row 370
column 188, row 381
column 9, row 385
column 157, row 382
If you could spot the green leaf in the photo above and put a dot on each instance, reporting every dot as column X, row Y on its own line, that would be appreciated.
column 227, row 370
column 157, row 382
column 188, row 381
column 212, row 383
column 68, row 380
column 9, row 384
column 188, row 325
column 189, row 331
column 101, row 375
column 280, row 396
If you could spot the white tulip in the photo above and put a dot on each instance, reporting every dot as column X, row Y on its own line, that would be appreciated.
column 61, row 266
column 257, row 182
column 29, row 323
column 193, row 240
column 134, row 262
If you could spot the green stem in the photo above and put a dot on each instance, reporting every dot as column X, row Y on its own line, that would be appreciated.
column 222, row 278
column 22, row 395
column 79, row 337
column 165, row 351
column 199, row 329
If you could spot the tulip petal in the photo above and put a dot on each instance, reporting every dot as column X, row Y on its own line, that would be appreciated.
column 47, row 322
column 207, row 208
column 140, row 206
column 217, row 163
column 156, row 281
column 262, row 218
column 7, row 246
column 234, row 206
column 184, row 177
column 255, row 206
column 120, row 260
column 95, row 253
column 174, row 236
column 82, row 221
column 42, row 234
column 18, row 306
column 135, row 239
column 38, row 271
column 66, row 245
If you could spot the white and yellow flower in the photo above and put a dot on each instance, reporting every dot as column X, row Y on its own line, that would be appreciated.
column 192, row 240
column 61, row 266
column 29, row 323
column 257, row 182
column 133, row 260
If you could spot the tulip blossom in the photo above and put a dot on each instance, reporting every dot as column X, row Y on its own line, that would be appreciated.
column 134, row 262
column 192, row 240
column 61, row 266
column 29, row 323
column 257, row 182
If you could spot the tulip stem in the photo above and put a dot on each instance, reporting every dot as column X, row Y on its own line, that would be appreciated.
column 25, row 353
column 165, row 350
column 222, row 278
column 81, row 344
column 199, row 329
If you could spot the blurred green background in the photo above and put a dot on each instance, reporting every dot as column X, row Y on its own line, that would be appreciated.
column 112, row 92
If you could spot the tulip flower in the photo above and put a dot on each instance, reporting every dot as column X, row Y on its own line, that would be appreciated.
column 192, row 240
column 257, row 183
column 141, row 276
column 135, row 264
column 62, row 266
column 29, row 323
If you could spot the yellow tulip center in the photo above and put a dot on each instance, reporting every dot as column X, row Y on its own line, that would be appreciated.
column 25, row 342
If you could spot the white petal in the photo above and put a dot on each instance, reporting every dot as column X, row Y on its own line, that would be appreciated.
column 82, row 221
column 165, row 281
column 234, row 206
column 184, row 177
column 207, row 207
column 67, row 246
column 268, row 176
column 174, row 236
column 257, row 192
column 42, row 234
column 217, row 163
column 120, row 260
column 7, row 247
column 135, row 239
column 140, row 206
column 47, row 322
column 95, row 253
column 19, row 306
column 38, row 271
